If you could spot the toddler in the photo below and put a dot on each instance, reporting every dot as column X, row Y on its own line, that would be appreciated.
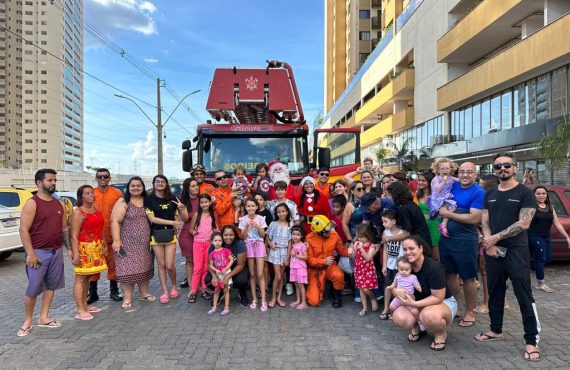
column 365, row 277
column 441, row 190
column 406, row 281
column 240, row 179
column 392, row 250
column 298, row 266
column 221, row 261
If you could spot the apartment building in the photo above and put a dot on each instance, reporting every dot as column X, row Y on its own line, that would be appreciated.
column 464, row 79
column 41, row 96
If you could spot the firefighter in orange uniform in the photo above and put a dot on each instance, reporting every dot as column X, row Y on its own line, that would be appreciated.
column 323, row 242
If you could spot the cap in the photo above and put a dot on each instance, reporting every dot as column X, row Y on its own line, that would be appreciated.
column 307, row 178
column 366, row 200
column 321, row 223
column 197, row 168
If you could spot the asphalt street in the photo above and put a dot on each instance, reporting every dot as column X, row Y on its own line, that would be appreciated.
column 181, row 336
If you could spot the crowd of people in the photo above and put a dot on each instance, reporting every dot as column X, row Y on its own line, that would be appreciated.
column 372, row 234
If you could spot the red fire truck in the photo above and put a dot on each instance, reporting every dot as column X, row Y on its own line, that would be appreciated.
column 259, row 119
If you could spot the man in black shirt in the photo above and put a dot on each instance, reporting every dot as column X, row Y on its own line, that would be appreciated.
column 507, row 214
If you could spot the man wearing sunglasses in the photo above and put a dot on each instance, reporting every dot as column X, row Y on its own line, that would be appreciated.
column 105, row 198
column 224, row 198
column 322, row 184
column 507, row 213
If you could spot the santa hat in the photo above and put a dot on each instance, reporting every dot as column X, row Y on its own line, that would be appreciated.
column 274, row 165
column 307, row 178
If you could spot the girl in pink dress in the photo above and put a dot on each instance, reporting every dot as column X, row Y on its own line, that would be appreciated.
column 298, row 266
column 365, row 277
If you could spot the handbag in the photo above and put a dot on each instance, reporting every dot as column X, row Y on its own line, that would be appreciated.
column 346, row 264
column 162, row 236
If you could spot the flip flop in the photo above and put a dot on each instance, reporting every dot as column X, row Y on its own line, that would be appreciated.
column 164, row 298
column 127, row 307
column 93, row 309
column 281, row 304
column 362, row 313
column 294, row 304
column 23, row 332
column 385, row 316
column 84, row 317
column 528, row 356
column 253, row 304
column 484, row 337
column 225, row 312
column 480, row 310
column 302, row 307
column 415, row 337
column 148, row 298
column 466, row 323
column 434, row 346
column 53, row 324
column 271, row 305
column 191, row 298
column 263, row 308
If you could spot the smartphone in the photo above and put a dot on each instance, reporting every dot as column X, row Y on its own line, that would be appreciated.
column 501, row 251
column 122, row 252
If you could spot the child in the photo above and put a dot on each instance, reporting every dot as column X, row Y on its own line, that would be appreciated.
column 364, row 270
column 281, row 191
column 279, row 235
column 263, row 210
column 392, row 250
column 262, row 182
column 252, row 227
column 202, row 225
column 221, row 261
column 240, row 180
column 298, row 266
column 441, row 190
column 338, row 205
column 406, row 281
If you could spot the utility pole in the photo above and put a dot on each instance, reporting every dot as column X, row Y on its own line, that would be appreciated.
column 159, row 129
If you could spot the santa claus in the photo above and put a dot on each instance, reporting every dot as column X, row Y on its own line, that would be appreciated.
column 279, row 172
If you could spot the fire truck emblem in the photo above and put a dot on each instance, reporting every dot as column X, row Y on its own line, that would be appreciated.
column 251, row 83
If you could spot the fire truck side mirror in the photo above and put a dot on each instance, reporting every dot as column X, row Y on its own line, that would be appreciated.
column 186, row 144
column 187, row 160
column 324, row 157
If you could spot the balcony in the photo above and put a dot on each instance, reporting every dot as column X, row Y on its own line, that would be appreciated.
column 542, row 51
column 376, row 25
column 392, row 8
column 485, row 28
column 398, row 122
column 400, row 88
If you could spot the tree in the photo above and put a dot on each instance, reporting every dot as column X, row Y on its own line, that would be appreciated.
column 402, row 152
column 382, row 154
column 556, row 147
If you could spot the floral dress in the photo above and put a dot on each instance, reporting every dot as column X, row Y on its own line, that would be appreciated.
column 364, row 271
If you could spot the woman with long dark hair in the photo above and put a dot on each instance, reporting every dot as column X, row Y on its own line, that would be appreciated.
column 163, row 211
column 188, row 197
column 539, row 235
column 311, row 203
column 424, row 191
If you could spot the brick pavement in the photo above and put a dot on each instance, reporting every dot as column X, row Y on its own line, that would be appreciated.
column 180, row 335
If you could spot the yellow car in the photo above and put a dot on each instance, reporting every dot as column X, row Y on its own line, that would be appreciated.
column 14, row 198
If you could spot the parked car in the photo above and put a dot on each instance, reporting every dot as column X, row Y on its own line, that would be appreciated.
column 9, row 231
column 13, row 197
column 122, row 187
column 69, row 195
column 560, row 200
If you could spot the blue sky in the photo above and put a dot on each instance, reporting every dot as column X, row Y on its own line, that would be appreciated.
column 183, row 41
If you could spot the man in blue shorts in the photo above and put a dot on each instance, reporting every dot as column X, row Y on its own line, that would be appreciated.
column 459, row 251
column 43, row 230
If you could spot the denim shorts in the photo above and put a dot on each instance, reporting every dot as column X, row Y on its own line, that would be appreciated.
column 451, row 302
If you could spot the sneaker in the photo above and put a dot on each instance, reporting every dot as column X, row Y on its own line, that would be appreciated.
column 357, row 300
column 289, row 289
column 184, row 284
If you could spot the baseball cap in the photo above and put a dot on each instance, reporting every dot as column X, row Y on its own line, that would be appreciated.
column 366, row 200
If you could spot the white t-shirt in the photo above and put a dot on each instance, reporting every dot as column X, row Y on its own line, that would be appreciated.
column 394, row 249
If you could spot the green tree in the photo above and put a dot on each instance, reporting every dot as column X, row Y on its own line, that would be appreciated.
column 556, row 147
column 382, row 154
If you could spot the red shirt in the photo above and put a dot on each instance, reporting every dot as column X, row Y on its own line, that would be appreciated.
column 47, row 225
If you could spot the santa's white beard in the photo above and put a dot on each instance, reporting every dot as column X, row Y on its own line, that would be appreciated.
column 282, row 176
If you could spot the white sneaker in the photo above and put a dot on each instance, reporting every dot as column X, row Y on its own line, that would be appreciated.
column 289, row 289
column 357, row 300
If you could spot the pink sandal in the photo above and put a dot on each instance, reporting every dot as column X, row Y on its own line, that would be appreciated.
column 264, row 308
column 302, row 307
column 174, row 293
column 164, row 298
column 443, row 230
column 253, row 304
column 93, row 309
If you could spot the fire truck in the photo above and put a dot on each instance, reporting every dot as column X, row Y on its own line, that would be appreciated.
column 258, row 118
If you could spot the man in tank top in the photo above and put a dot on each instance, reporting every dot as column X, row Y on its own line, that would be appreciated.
column 43, row 231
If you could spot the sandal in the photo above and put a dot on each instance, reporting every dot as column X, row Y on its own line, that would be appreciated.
column 484, row 337
column 415, row 337
column 164, row 298
column 24, row 331
column 53, row 324
column 294, row 304
column 253, row 304
column 443, row 230
column 127, row 307
column 191, row 298
column 362, row 313
column 212, row 311
column 207, row 296
column 466, row 323
column 174, row 293
column 225, row 312
column 149, row 298
column 528, row 355
column 545, row 288
column 84, row 317
column 271, row 304
column 93, row 309
column 437, row 346
column 264, row 308
column 385, row 316
column 302, row 307
column 481, row 310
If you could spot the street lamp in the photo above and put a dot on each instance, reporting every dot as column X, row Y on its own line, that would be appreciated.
column 159, row 125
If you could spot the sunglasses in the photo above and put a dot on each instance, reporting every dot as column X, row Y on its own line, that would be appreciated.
column 222, row 178
column 324, row 174
column 358, row 189
column 507, row 165
column 103, row 177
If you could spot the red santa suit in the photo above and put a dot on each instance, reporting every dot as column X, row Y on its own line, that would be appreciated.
column 311, row 204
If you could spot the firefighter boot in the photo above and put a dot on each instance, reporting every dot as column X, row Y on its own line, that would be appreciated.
column 337, row 298
column 92, row 296
column 114, row 289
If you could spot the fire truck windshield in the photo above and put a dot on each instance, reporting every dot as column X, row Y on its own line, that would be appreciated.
column 227, row 152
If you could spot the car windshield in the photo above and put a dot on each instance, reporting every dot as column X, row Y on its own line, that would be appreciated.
column 228, row 152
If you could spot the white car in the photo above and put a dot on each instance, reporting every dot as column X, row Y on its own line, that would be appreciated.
column 9, row 231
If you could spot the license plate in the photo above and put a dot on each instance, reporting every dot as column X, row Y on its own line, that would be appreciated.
column 10, row 222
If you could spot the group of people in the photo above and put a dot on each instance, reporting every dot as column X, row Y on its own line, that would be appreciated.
column 411, row 242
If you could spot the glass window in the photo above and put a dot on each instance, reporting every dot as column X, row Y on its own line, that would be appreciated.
column 542, row 173
column 531, row 94
column 364, row 35
column 468, row 123
column 460, row 126
column 364, row 14
column 495, row 113
column 485, row 116
column 477, row 120
column 520, row 106
column 454, row 122
column 559, row 92
column 506, row 110
column 557, row 204
column 543, row 97
column 430, row 125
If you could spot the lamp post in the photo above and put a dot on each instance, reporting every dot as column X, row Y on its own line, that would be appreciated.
column 159, row 125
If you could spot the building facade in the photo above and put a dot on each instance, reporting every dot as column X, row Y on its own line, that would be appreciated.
column 464, row 79
column 41, row 95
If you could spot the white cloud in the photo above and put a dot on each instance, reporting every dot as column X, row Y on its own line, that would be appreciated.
column 151, row 60
column 109, row 16
column 144, row 152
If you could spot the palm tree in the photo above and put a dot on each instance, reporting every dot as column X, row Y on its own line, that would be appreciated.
column 400, row 153
column 556, row 147
column 382, row 153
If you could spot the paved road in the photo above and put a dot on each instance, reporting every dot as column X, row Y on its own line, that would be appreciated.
column 180, row 335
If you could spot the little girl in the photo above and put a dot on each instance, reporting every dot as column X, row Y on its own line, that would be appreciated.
column 279, row 235
column 202, row 225
column 262, row 182
column 441, row 190
column 406, row 281
column 298, row 266
column 221, row 261
column 252, row 227
column 365, row 277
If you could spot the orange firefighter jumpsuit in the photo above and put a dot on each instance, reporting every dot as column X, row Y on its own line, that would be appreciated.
column 319, row 249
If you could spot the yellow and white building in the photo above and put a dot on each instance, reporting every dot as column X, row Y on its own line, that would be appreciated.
column 463, row 78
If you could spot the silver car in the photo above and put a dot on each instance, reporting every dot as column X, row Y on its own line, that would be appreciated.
column 9, row 231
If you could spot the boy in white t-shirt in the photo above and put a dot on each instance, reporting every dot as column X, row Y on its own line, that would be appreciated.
column 392, row 250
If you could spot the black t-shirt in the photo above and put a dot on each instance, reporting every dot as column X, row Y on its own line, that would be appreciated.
column 236, row 248
column 541, row 222
column 431, row 276
column 267, row 214
column 504, row 208
column 411, row 219
column 161, row 208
